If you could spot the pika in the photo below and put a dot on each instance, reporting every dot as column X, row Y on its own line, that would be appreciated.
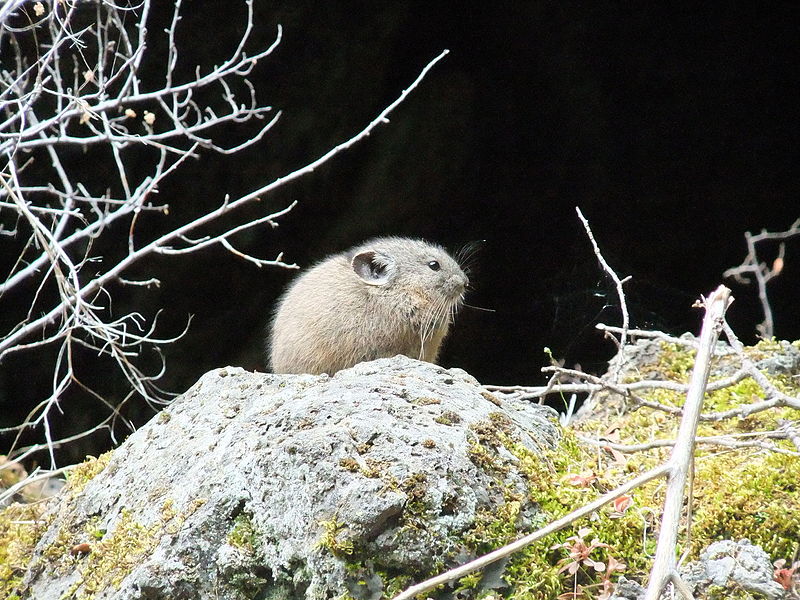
column 387, row 296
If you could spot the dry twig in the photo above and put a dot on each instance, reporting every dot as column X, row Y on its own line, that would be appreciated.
column 752, row 270
column 82, row 90
column 664, row 564
column 618, row 283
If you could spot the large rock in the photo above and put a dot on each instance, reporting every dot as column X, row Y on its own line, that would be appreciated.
column 254, row 485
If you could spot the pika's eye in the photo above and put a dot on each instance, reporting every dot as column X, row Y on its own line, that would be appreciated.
column 434, row 265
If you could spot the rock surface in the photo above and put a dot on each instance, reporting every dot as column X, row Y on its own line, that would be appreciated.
column 255, row 485
column 735, row 565
column 725, row 567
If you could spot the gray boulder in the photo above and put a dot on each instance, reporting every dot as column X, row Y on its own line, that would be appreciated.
column 255, row 485
column 735, row 565
column 724, row 568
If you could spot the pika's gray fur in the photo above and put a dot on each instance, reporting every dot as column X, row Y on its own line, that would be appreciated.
column 387, row 296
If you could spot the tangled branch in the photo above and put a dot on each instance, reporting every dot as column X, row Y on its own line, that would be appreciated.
column 752, row 270
column 678, row 468
column 72, row 86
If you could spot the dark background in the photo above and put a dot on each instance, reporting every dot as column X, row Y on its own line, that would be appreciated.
column 674, row 132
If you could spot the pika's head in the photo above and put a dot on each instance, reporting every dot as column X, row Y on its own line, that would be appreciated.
column 406, row 266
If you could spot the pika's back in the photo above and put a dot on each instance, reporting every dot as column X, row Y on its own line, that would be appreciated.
column 384, row 297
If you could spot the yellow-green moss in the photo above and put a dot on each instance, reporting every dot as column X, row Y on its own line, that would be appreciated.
column 20, row 528
column 82, row 474
column 744, row 492
column 243, row 535
column 737, row 493
column 532, row 573
column 121, row 549
column 114, row 557
column 330, row 539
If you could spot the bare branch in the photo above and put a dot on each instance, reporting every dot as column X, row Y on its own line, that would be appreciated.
column 753, row 270
column 623, row 338
column 641, row 333
column 664, row 564
column 726, row 441
column 80, row 89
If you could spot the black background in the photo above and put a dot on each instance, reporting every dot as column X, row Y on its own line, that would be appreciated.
column 674, row 131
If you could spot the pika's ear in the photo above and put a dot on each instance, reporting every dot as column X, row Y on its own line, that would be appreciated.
column 371, row 268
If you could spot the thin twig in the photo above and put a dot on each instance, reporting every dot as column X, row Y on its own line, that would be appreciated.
column 725, row 441
column 643, row 333
column 751, row 269
column 623, row 338
column 557, row 525
column 80, row 86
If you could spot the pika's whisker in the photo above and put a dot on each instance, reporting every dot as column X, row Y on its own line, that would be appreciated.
column 472, row 306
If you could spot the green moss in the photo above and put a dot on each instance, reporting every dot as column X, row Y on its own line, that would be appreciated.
column 744, row 492
column 730, row 592
column 752, row 498
column 81, row 475
column 243, row 534
column 114, row 557
column 330, row 539
column 112, row 554
column 393, row 585
column 448, row 417
column 484, row 459
column 532, row 573
column 20, row 529
column 676, row 362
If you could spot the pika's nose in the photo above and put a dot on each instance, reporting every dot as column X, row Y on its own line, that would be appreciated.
column 459, row 282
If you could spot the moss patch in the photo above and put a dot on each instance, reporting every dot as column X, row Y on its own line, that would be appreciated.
column 742, row 492
column 333, row 540
column 243, row 534
column 746, row 492
column 21, row 527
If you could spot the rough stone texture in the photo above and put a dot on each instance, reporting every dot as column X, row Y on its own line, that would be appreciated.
column 728, row 564
column 785, row 362
column 724, row 565
column 255, row 485
column 627, row 589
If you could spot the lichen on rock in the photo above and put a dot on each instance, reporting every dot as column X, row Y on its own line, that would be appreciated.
column 356, row 486
column 296, row 486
